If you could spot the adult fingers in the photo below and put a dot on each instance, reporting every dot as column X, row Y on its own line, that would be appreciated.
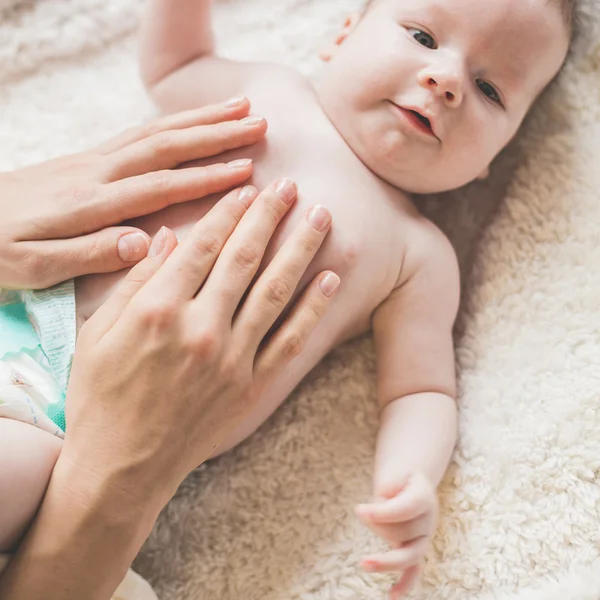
column 275, row 287
column 167, row 149
column 243, row 253
column 290, row 338
column 398, row 559
column 50, row 261
column 163, row 244
column 191, row 262
column 235, row 108
column 143, row 194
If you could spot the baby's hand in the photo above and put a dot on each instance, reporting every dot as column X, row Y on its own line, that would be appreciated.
column 406, row 517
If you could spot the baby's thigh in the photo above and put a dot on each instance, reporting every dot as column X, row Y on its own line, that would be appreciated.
column 27, row 457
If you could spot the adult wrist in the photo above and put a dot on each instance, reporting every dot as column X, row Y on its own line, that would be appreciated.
column 128, row 487
column 84, row 537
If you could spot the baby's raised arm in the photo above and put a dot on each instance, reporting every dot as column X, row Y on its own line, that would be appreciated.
column 416, row 392
column 177, row 60
column 173, row 34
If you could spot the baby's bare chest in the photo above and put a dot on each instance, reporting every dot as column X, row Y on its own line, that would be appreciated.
column 365, row 244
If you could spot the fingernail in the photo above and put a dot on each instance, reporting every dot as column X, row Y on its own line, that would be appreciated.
column 369, row 565
column 234, row 101
column 319, row 217
column 132, row 247
column 252, row 121
column 247, row 195
column 329, row 284
column 158, row 243
column 241, row 163
column 286, row 190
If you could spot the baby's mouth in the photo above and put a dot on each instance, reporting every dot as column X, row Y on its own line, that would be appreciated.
column 421, row 118
column 417, row 120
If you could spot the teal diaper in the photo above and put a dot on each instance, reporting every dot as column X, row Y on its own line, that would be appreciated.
column 37, row 343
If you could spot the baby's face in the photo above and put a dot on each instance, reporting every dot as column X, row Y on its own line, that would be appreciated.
column 472, row 67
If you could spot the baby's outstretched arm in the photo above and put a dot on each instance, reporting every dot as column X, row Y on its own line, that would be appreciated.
column 416, row 390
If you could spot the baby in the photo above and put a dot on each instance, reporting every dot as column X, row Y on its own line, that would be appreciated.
column 418, row 96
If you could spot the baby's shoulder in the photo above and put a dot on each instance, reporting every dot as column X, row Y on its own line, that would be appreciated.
column 429, row 254
column 273, row 80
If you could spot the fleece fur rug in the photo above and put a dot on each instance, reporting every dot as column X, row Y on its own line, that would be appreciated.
column 273, row 519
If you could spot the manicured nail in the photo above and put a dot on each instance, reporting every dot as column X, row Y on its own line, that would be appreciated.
column 319, row 217
column 247, row 195
column 158, row 243
column 232, row 102
column 329, row 284
column 286, row 190
column 241, row 163
column 252, row 121
column 132, row 247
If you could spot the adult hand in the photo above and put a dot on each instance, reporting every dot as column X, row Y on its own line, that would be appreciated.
column 161, row 370
column 57, row 216
column 161, row 373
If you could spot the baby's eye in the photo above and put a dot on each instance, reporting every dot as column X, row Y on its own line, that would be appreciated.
column 489, row 91
column 423, row 38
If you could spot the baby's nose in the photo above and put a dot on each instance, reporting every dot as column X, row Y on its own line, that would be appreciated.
column 447, row 85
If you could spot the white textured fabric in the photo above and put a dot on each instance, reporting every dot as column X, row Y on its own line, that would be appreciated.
column 273, row 519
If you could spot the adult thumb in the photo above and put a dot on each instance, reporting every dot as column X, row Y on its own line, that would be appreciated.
column 107, row 315
column 104, row 251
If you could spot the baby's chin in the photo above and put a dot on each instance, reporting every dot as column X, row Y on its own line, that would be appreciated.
column 415, row 174
column 384, row 151
column 411, row 181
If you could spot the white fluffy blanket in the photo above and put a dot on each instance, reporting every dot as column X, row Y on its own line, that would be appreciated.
column 273, row 519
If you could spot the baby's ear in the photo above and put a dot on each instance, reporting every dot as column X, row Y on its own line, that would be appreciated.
column 484, row 174
column 349, row 25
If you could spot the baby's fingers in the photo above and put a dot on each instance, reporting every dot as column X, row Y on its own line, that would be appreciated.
column 397, row 560
column 402, row 533
column 414, row 500
column 405, row 583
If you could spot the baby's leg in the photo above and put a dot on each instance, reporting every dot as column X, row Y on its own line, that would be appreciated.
column 27, row 457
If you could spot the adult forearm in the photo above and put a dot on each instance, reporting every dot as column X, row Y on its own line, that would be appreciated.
column 86, row 534
column 417, row 434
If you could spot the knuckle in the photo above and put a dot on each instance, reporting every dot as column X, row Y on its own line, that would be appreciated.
column 204, row 345
column 278, row 292
column 162, row 184
column 247, row 257
column 316, row 307
column 272, row 211
column 292, row 346
column 206, row 244
column 95, row 251
column 160, row 143
column 160, row 181
column 310, row 244
column 82, row 193
column 151, row 128
column 158, row 315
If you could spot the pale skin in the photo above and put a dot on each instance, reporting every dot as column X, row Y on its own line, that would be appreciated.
column 351, row 149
